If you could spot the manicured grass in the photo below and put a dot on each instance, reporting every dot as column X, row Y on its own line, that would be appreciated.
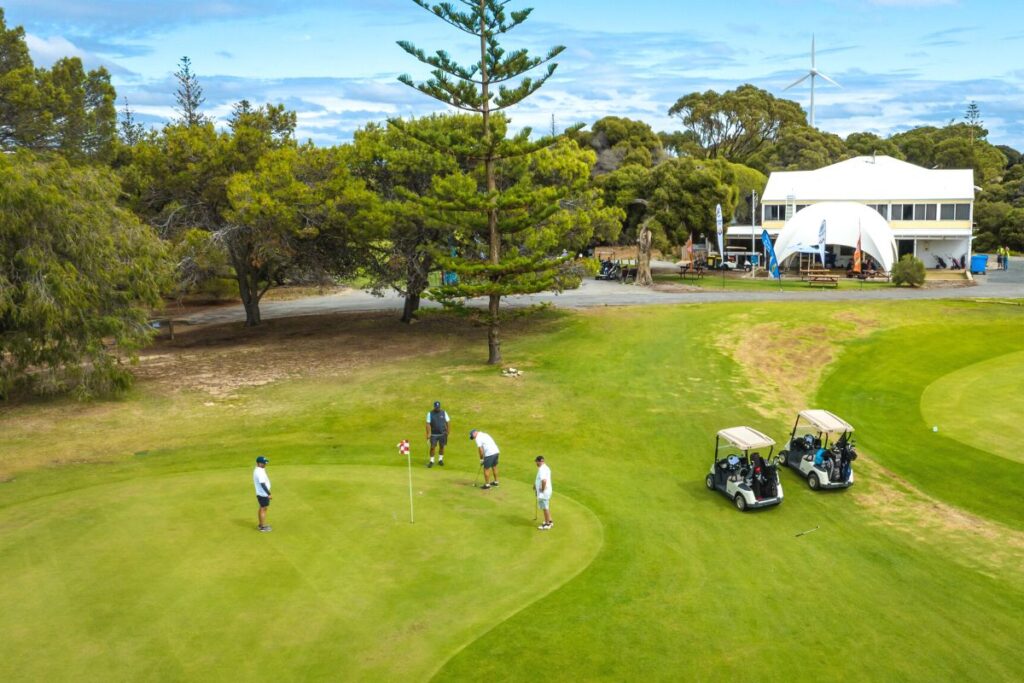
column 714, row 281
column 981, row 405
column 672, row 582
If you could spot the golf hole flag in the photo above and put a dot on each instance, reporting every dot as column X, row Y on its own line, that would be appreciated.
column 773, row 263
column 718, row 230
column 403, row 449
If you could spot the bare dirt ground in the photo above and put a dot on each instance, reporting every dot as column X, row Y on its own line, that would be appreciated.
column 218, row 360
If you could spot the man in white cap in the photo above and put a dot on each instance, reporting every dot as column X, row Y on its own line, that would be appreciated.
column 488, row 451
column 542, row 485
column 262, row 483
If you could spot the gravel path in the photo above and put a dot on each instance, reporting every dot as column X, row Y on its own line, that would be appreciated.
column 997, row 285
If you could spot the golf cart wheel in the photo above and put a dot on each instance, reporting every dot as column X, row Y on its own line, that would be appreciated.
column 741, row 502
column 709, row 481
column 813, row 482
column 780, row 459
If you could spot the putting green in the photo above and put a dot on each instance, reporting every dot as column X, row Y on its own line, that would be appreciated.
column 981, row 405
column 136, row 580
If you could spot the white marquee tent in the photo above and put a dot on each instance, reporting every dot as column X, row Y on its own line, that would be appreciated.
column 844, row 221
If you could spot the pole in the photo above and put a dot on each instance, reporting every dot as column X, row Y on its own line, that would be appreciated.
column 753, row 225
column 408, row 460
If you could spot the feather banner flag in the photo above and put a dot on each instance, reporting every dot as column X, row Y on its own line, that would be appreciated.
column 773, row 263
column 858, row 255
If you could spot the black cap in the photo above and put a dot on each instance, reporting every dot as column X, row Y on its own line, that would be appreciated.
column 262, row 460
column 437, row 404
column 539, row 458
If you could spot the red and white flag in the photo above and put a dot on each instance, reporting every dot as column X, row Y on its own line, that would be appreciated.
column 403, row 447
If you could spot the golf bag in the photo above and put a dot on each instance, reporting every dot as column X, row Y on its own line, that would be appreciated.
column 941, row 263
column 610, row 270
column 764, row 478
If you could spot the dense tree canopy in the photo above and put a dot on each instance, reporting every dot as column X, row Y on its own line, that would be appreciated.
column 77, row 277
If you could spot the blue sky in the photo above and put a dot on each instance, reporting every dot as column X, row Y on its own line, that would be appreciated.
column 901, row 63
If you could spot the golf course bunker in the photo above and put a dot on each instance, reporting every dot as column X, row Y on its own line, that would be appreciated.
column 981, row 405
column 166, row 577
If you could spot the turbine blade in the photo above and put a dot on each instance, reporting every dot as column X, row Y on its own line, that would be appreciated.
column 798, row 81
column 829, row 80
column 812, row 50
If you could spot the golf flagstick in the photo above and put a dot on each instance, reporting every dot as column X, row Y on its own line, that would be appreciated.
column 403, row 449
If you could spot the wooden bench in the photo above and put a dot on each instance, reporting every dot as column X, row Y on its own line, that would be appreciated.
column 820, row 278
column 695, row 271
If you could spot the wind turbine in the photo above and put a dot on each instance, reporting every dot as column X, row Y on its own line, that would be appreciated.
column 812, row 74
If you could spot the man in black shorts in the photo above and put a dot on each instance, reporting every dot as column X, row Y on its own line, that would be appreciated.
column 262, row 483
column 438, row 425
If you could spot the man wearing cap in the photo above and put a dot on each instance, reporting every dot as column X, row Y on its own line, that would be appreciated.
column 488, row 456
column 262, row 483
column 438, row 425
column 542, row 485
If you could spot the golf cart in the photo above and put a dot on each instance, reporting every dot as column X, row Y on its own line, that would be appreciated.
column 747, row 479
column 824, row 465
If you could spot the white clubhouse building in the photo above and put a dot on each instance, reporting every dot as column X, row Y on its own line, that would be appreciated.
column 929, row 211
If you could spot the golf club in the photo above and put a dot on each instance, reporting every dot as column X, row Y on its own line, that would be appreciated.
column 477, row 477
column 806, row 532
column 536, row 505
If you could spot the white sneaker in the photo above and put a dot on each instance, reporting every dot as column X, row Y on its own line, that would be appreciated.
column 544, row 527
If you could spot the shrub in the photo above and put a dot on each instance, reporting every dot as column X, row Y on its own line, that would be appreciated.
column 909, row 271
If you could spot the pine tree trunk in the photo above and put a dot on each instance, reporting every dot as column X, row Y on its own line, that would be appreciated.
column 248, row 286
column 493, row 341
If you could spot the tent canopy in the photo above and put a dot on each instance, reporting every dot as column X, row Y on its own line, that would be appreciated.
column 844, row 222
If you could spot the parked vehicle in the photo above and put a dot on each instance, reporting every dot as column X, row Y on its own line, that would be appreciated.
column 747, row 479
column 823, row 465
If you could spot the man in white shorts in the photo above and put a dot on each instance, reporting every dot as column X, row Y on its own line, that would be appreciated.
column 488, row 451
column 542, row 485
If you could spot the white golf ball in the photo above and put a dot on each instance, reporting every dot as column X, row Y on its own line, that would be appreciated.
column 935, row 428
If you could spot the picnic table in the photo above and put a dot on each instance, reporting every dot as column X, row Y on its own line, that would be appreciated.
column 820, row 278
column 696, row 270
column 166, row 324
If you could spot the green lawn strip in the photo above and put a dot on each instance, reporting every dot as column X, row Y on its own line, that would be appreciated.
column 877, row 385
column 165, row 577
column 714, row 281
column 981, row 405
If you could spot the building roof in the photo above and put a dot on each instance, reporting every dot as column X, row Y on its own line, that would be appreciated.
column 871, row 178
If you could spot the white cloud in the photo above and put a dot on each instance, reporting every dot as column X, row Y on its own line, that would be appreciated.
column 46, row 51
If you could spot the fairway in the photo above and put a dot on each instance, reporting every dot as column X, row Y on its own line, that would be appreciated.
column 135, row 556
column 981, row 405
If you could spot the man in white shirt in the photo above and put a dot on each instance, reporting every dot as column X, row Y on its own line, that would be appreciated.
column 438, row 425
column 542, row 485
column 488, row 451
column 262, row 483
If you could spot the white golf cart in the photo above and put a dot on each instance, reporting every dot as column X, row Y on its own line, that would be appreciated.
column 824, row 465
column 747, row 479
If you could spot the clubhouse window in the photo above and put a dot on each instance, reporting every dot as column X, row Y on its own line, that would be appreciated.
column 924, row 212
column 775, row 212
column 963, row 212
column 882, row 209
column 902, row 212
column 948, row 212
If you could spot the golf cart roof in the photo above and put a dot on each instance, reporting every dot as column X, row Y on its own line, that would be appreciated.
column 826, row 421
column 745, row 438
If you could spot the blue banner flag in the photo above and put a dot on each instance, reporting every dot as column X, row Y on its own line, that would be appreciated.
column 773, row 264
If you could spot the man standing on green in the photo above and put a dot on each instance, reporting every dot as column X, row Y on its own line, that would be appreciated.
column 438, row 425
column 542, row 485
column 262, row 483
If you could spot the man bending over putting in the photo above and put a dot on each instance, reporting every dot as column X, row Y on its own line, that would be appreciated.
column 488, row 451
column 262, row 482
column 438, row 425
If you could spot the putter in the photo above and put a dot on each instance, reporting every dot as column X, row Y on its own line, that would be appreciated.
column 536, row 505
column 479, row 470
column 806, row 532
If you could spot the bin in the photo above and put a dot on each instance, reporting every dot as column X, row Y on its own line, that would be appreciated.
column 978, row 263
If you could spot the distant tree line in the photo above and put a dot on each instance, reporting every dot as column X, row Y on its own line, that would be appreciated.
column 101, row 218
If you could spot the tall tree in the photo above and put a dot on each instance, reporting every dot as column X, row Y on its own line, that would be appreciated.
column 24, row 119
column 76, row 272
column 738, row 123
column 130, row 130
column 496, row 81
column 188, row 97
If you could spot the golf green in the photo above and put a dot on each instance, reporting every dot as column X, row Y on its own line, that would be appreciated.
column 166, row 577
column 981, row 405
